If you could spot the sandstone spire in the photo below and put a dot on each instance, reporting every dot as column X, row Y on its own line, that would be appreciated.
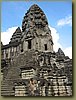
column 16, row 35
column 34, row 17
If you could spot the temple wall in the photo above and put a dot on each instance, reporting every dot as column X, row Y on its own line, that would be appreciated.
column 38, row 43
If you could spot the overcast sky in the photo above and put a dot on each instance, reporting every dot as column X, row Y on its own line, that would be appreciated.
column 59, row 15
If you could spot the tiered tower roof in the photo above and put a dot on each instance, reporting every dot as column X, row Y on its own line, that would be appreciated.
column 34, row 17
column 16, row 36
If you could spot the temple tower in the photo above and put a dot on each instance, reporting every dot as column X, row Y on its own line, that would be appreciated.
column 29, row 66
column 36, row 34
column 16, row 37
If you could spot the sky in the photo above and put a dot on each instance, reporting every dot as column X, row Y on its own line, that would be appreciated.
column 59, row 16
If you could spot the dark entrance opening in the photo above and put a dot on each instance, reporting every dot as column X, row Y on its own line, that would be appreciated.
column 6, row 55
column 21, row 50
column 22, row 47
column 29, row 44
column 45, row 46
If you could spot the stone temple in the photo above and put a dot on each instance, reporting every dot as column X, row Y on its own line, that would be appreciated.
column 29, row 65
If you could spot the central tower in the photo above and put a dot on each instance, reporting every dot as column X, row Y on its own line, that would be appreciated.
column 36, row 34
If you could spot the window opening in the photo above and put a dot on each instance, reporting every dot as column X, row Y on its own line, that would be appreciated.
column 29, row 44
column 45, row 46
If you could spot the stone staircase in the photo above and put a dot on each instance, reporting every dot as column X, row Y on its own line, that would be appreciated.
column 26, row 60
column 13, row 74
column 6, row 89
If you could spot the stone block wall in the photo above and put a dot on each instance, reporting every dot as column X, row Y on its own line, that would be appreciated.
column 28, row 77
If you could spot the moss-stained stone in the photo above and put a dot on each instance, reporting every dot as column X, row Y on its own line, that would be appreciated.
column 30, row 67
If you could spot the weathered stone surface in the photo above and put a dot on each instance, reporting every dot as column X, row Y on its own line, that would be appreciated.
column 16, row 37
column 32, row 68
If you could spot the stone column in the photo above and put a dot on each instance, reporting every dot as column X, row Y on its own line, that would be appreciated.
column 49, row 91
column 39, row 43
